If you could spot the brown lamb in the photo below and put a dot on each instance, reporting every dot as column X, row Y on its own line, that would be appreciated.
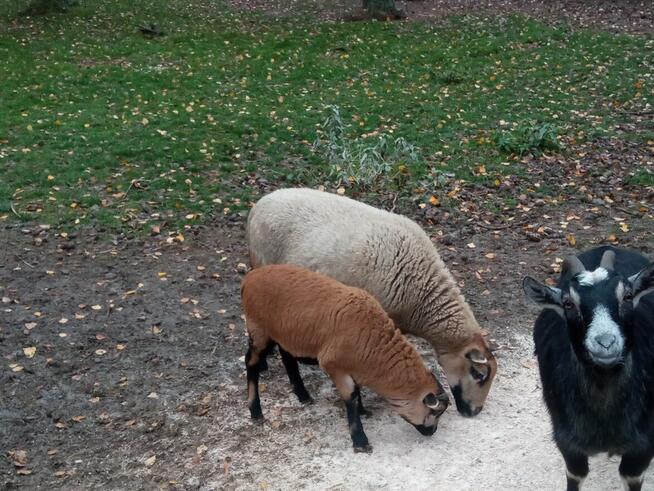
column 311, row 316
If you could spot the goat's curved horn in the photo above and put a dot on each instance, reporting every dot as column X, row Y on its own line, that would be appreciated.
column 608, row 260
column 573, row 266
column 479, row 361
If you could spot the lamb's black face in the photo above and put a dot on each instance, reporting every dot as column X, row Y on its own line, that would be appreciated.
column 596, row 306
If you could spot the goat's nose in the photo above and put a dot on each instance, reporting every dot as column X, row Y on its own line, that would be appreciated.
column 605, row 340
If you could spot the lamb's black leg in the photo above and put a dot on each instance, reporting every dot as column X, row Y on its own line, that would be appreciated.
column 348, row 390
column 255, row 363
column 576, row 469
column 360, row 407
column 293, row 371
column 359, row 438
column 632, row 468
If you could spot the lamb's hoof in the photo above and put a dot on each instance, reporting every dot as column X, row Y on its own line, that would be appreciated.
column 365, row 412
column 306, row 399
column 257, row 418
column 363, row 449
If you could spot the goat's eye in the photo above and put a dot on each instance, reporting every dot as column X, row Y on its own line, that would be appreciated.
column 568, row 304
column 628, row 296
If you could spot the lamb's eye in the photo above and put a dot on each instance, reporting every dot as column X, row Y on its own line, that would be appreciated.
column 568, row 304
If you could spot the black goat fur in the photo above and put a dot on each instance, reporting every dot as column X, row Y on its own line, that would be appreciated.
column 596, row 409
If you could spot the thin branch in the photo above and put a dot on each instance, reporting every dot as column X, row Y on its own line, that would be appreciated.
column 15, row 212
column 394, row 203
column 495, row 227
column 23, row 260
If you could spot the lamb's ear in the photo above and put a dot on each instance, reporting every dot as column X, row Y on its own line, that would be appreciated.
column 539, row 293
column 643, row 280
column 432, row 401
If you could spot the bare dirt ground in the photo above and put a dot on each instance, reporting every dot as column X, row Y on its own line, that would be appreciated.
column 121, row 361
column 634, row 16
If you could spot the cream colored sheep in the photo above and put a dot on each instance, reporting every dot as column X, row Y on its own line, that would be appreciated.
column 310, row 315
column 389, row 256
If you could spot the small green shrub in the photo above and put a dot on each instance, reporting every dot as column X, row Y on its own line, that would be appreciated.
column 361, row 161
column 42, row 7
column 451, row 77
column 528, row 138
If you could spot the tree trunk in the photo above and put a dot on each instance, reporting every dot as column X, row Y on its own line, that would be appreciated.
column 383, row 9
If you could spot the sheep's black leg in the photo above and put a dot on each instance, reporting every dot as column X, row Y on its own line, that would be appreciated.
column 361, row 409
column 255, row 363
column 632, row 468
column 359, row 438
column 576, row 469
column 293, row 371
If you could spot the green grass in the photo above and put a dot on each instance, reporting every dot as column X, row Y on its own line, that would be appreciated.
column 643, row 178
column 99, row 125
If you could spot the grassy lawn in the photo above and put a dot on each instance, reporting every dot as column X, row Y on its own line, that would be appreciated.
column 99, row 124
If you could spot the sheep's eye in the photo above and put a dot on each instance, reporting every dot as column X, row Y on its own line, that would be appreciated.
column 568, row 304
column 477, row 375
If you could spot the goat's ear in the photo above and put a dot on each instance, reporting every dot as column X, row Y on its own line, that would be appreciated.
column 540, row 293
column 643, row 280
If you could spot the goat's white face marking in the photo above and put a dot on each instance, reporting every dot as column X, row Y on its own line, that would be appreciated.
column 590, row 278
column 604, row 340
column 619, row 291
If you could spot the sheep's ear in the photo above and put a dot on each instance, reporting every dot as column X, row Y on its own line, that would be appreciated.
column 643, row 280
column 539, row 293
column 475, row 356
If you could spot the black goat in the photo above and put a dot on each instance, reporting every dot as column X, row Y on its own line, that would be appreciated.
column 595, row 347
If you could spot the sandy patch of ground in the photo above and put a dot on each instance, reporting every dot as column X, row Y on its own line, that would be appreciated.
column 508, row 446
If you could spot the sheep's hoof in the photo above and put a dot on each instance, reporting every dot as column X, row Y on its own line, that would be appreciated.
column 363, row 449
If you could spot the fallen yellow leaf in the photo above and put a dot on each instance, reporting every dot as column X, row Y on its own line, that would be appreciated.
column 29, row 351
column 18, row 457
